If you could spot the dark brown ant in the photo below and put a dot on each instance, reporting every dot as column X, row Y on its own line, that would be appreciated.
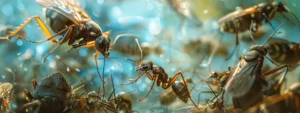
column 161, row 78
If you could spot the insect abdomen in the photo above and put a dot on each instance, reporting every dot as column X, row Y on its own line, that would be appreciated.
column 280, row 52
column 181, row 91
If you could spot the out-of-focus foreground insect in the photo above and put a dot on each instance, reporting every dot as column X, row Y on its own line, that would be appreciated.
column 240, row 21
column 50, row 96
column 5, row 96
column 289, row 102
column 93, row 102
column 247, row 79
column 284, row 52
column 161, row 78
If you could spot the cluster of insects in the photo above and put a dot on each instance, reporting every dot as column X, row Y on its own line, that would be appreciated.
column 251, row 87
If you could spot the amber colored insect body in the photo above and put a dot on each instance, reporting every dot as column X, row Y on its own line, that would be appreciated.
column 284, row 52
column 240, row 21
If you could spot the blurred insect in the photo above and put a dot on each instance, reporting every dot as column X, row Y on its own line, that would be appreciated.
column 182, row 9
column 204, row 47
column 242, row 20
column 286, row 102
column 70, row 19
column 93, row 102
column 130, row 49
column 5, row 96
column 162, row 79
column 51, row 94
column 247, row 80
column 284, row 52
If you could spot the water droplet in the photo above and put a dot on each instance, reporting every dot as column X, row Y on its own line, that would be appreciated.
column 19, row 42
column 3, row 76
column 205, row 11
column 77, row 70
column 57, row 56
column 25, row 69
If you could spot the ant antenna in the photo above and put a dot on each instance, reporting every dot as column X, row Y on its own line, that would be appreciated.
column 272, row 34
column 137, row 42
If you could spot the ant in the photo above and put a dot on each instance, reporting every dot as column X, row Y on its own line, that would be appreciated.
column 161, row 78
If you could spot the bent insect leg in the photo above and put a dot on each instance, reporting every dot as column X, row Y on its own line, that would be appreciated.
column 42, row 25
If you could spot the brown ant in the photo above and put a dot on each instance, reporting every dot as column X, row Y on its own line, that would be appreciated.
column 161, row 78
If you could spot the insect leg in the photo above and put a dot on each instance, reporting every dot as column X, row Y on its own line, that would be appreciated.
column 42, row 25
column 268, row 21
column 133, row 81
column 237, row 27
column 35, row 102
column 171, row 82
column 96, row 61
column 128, row 35
column 148, row 92
column 83, row 45
column 66, row 36
column 281, row 80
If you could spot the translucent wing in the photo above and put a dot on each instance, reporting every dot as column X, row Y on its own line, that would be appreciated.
column 75, row 5
column 71, row 10
column 241, row 81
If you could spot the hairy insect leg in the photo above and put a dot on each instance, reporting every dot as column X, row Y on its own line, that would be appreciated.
column 148, row 92
column 42, row 25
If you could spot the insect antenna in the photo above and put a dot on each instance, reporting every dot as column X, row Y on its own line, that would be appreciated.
column 272, row 34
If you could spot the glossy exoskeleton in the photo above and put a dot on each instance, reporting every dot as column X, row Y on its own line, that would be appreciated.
column 246, row 83
column 51, row 94
column 284, row 52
